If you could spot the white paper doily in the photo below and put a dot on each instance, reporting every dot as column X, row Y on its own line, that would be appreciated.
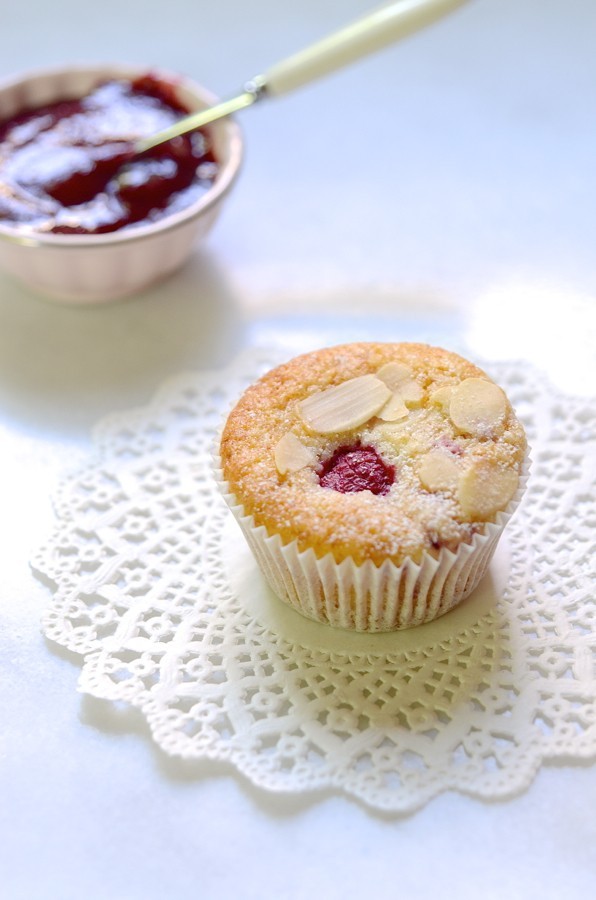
column 158, row 593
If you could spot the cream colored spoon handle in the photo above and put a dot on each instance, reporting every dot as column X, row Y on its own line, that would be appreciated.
column 372, row 32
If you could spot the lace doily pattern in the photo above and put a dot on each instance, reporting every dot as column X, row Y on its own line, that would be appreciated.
column 156, row 591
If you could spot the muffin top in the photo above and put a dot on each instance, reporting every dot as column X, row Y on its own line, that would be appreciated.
column 373, row 451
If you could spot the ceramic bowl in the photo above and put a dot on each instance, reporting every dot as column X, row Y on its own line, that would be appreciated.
column 94, row 268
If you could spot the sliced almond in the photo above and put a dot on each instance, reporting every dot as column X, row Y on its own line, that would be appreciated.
column 412, row 393
column 442, row 397
column 393, row 374
column 291, row 454
column 439, row 471
column 477, row 407
column 400, row 379
column 394, row 409
column 485, row 488
column 344, row 406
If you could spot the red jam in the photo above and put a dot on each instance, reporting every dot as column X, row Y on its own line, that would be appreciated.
column 353, row 469
column 66, row 167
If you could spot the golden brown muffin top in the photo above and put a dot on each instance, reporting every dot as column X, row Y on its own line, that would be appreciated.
column 444, row 428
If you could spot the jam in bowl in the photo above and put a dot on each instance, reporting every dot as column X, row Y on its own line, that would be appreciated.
column 82, row 218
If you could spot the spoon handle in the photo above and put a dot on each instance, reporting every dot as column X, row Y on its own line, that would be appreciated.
column 372, row 32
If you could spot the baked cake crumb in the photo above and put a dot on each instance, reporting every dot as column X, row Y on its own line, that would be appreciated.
column 438, row 421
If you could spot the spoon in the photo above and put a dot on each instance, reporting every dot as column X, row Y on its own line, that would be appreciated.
column 372, row 32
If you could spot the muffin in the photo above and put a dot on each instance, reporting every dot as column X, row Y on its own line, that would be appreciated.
column 373, row 480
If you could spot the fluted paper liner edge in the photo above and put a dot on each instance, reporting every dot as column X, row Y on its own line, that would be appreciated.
column 366, row 597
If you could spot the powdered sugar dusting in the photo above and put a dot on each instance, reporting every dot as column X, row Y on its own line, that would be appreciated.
column 408, row 520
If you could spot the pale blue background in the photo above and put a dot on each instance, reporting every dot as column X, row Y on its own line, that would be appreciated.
column 443, row 190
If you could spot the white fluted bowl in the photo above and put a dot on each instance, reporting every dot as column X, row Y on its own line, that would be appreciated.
column 82, row 268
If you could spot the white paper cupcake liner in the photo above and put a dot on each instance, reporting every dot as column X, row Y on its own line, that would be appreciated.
column 366, row 597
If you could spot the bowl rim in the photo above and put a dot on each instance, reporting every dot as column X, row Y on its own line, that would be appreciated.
column 228, row 170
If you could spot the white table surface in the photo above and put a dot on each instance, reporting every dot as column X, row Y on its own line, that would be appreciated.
column 442, row 190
